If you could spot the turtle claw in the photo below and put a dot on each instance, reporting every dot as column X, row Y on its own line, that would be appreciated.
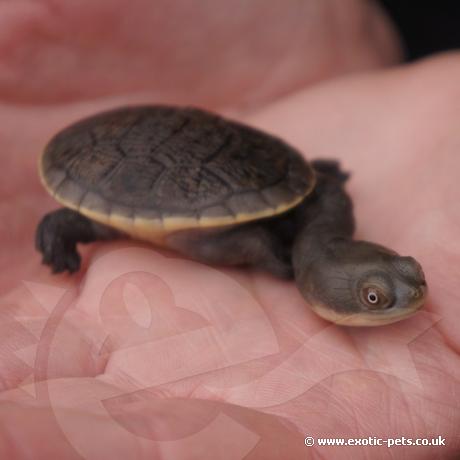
column 65, row 261
column 62, row 259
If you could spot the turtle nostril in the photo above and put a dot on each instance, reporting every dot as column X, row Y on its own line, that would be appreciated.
column 419, row 292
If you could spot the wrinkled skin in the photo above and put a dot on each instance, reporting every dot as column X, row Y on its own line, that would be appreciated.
column 227, row 363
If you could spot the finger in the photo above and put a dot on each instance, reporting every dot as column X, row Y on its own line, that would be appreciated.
column 211, row 54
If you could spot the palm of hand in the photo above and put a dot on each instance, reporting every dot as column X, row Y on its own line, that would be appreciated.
column 160, row 354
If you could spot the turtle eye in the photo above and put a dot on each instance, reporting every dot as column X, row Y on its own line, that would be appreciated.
column 374, row 298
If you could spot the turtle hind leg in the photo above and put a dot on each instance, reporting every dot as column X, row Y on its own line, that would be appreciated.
column 59, row 232
column 330, row 168
column 251, row 245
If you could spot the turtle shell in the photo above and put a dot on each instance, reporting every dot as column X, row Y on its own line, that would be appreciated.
column 156, row 169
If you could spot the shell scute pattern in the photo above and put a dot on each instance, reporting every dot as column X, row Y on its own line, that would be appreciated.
column 175, row 162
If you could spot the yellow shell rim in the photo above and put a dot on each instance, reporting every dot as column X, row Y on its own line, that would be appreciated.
column 150, row 228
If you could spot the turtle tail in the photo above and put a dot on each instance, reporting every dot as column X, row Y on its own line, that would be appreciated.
column 331, row 168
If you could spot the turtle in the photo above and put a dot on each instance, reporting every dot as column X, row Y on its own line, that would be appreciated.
column 223, row 193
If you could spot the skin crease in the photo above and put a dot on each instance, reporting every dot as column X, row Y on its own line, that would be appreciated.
column 200, row 357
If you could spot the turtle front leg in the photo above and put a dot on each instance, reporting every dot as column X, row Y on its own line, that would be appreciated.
column 59, row 232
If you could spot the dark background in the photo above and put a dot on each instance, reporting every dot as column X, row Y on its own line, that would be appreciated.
column 426, row 26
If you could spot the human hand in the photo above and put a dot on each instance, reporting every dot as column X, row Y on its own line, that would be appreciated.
column 144, row 354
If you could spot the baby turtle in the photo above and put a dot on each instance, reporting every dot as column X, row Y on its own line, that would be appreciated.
column 222, row 193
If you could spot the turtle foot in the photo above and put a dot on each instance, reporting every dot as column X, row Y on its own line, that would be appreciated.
column 53, row 242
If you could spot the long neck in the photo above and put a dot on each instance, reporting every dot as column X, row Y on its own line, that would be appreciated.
column 326, row 216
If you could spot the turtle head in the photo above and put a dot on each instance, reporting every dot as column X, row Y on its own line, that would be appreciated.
column 357, row 283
